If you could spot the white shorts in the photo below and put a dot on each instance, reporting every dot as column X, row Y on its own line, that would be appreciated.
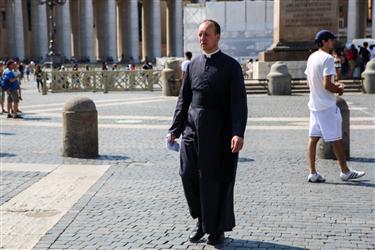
column 326, row 124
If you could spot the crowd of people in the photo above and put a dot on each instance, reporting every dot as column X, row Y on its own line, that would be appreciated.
column 351, row 62
column 11, row 75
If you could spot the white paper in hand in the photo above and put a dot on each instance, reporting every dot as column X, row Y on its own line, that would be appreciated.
column 174, row 146
column 171, row 145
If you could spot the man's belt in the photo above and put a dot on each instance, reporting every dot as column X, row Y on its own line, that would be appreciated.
column 206, row 100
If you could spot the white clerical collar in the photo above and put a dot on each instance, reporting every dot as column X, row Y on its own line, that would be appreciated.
column 208, row 55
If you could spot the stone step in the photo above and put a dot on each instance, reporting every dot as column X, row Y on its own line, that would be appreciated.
column 254, row 87
column 256, row 92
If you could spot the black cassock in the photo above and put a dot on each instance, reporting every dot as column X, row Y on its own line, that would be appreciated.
column 211, row 109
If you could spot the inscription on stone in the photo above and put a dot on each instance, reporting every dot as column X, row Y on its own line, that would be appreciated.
column 317, row 13
column 299, row 20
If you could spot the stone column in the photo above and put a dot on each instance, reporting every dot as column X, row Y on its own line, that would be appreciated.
column 151, row 30
column 175, row 28
column 110, row 29
column 100, row 29
column 1, row 40
column 26, row 30
column 74, row 15
column 15, row 29
column 19, row 30
column 356, row 19
column 86, row 22
column 39, row 29
column 63, row 30
column 10, row 29
column 128, row 10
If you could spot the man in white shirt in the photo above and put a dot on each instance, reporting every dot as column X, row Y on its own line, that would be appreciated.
column 186, row 63
column 325, row 116
column 372, row 50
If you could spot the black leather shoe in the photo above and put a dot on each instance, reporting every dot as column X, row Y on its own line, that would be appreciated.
column 196, row 234
column 216, row 239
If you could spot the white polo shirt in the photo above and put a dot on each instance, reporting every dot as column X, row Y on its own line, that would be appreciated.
column 319, row 65
column 184, row 65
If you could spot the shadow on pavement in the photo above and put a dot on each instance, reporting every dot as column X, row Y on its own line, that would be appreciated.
column 6, row 133
column 7, row 155
column 112, row 158
column 243, row 159
column 361, row 183
column 362, row 159
column 36, row 119
column 231, row 243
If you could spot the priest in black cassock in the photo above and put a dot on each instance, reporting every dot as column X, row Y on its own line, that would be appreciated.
column 211, row 115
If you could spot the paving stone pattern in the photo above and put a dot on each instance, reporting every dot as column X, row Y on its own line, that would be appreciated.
column 139, row 203
column 14, row 182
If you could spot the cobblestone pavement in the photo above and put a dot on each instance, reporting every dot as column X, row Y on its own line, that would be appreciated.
column 138, row 202
column 14, row 182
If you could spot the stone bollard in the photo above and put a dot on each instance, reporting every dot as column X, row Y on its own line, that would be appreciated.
column 369, row 78
column 171, row 78
column 324, row 149
column 80, row 128
column 279, row 80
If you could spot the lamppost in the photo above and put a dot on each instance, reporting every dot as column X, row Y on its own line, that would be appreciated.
column 52, row 28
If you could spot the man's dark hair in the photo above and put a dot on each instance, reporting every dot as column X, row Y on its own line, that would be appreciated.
column 188, row 55
column 320, row 43
column 216, row 25
column 10, row 62
column 365, row 44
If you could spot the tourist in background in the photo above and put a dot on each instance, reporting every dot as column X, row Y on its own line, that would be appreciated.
column 363, row 56
column 27, row 72
column 249, row 68
column 11, row 83
column 344, row 63
column 2, row 94
column 19, row 71
column 185, row 64
column 87, row 77
column 352, row 57
column 104, row 66
column 337, row 61
column 38, row 76
column 372, row 50
column 75, row 77
column 147, row 64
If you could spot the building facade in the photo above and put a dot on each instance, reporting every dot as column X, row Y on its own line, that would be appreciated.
column 132, row 30
column 91, row 30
